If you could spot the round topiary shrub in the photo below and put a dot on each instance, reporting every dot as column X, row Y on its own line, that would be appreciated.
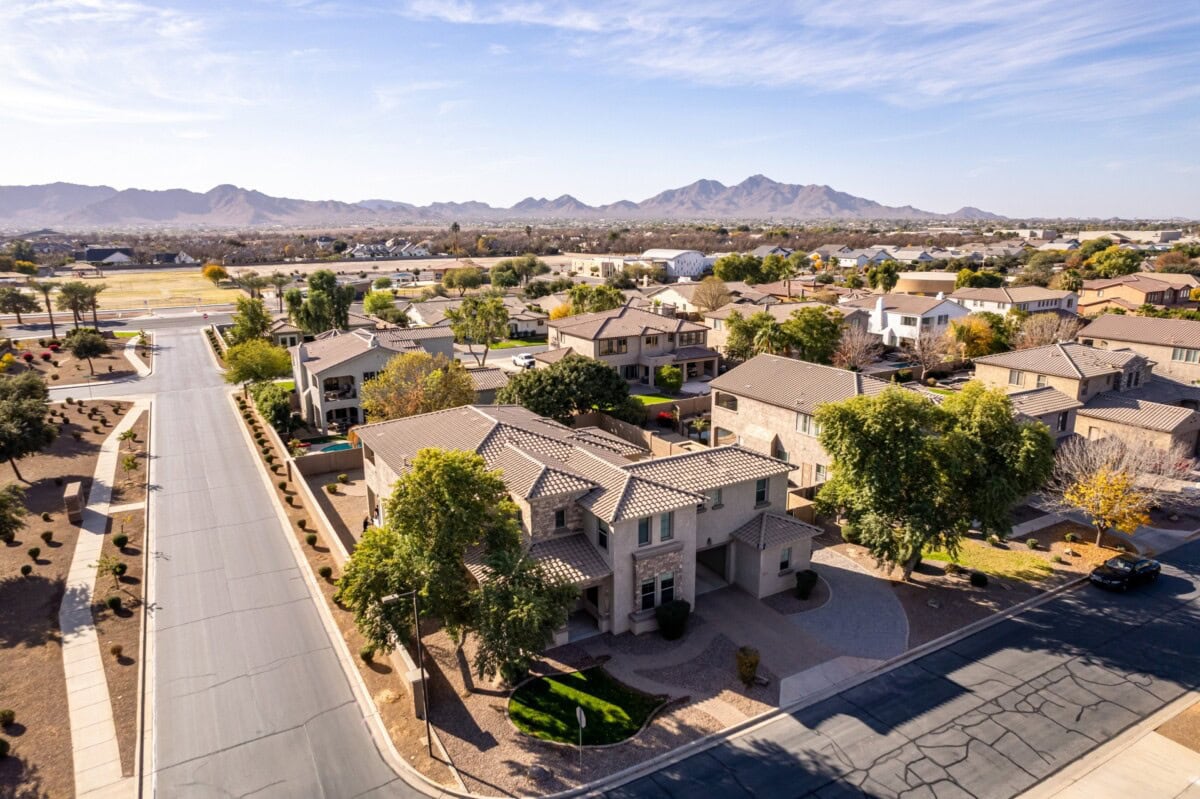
column 1032, row 543
column 311, row 539
column 282, row 485
column 302, row 524
column 7, row 717
column 269, row 458
column 343, row 478
column 672, row 618
column 326, row 572
column 113, row 602
column 1070, row 538
column 806, row 581
column 26, row 570
column 120, row 569
column 120, row 540
column 367, row 653
column 289, row 499
column 47, row 536
column 1057, row 559
column 747, row 664
column 979, row 579
column 33, row 552
column 46, row 516
column 116, row 650
column 331, row 488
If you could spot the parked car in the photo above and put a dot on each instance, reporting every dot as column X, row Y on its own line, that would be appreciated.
column 524, row 360
column 1125, row 571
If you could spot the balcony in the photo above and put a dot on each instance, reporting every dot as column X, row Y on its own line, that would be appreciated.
column 339, row 389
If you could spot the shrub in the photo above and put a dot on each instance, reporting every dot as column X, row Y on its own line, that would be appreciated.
column 953, row 568
column 343, row 478
column 672, row 618
column 331, row 488
column 269, row 458
column 47, row 536
column 1070, row 538
column 311, row 539
column 113, row 602
column 26, row 570
column 302, row 524
column 806, row 581
column 282, row 485
column 96, row 428
column 747, row 664
column 54, row 376
column 7, row 536
column 849, row 536
column 116, row 650
column 979, row 579
column 367, row 653
column 77, row 435
column 1032, row 543
column 120, row 540
column 289, row 499
column 7, row 717
column 326, row 572
column 119, row 569
column 46, row 516
column 33, row 552
column 69, row 401
column 904, row 375
column 994, row 540
column 1057, row 559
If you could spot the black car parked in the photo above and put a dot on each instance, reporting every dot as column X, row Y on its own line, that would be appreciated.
column 1125, row 571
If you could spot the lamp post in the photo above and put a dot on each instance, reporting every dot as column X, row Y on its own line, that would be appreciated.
column 394, row 599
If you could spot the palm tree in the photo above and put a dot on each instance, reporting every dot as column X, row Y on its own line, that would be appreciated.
column 45, row 288
column 93, row 304
column 770, row 339
column 251, row 282
column 454, row 230
column 279, row 280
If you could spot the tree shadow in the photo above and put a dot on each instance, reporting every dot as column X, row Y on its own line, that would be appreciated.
column 29, row 610
column 19, row 779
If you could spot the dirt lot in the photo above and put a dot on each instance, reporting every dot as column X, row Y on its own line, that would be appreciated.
column 345, row 509
column 64, row 369
column 407, row 731
column 157, row 289
column 33, row 683
column 1184, row 728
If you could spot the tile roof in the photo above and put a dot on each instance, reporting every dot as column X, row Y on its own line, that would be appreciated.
column 1063, row 360
column 899, row 303
column 1115, row 406
column 488, row 378
column 1011, row 294
column 710, row 468
column 1142, row 282
column 623, row 321
column 1144, row 330
column 768, row 530
column 780, row 311
column 553, row 356
column 1041, row 401
column 432, row 312
column 694, row 353
column 334, row 347
column 794, row 384
column 570, row 559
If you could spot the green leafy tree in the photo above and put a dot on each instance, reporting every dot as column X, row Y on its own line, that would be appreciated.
column 251, row 282
column 377, row 302
column 517, row 608
column 774, row 267
column 504, row 277
column 256, row 360
column 573, row 384
column 74, row 296
column 479, row 321
column 15, row 301
column 463, row 279
column 24, row 428
column 883, row 275
column 21, row 250
column 745, row 334
column 983, row 279
column 250, row 321
column 740, row 267
column 669, row 378
column 1069, row 280
column 593, row 299
column 813, row 333
column 1115, row 262
column 382, row 283
column 414, row 383
column 327, row 306
column 88, row 344
column 1090, row 247
column 274, row 402
column 12, row 511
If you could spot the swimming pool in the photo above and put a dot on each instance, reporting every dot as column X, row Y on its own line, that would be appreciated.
column 338, row 447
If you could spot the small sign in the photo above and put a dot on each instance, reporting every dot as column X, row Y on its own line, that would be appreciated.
column 580, row 717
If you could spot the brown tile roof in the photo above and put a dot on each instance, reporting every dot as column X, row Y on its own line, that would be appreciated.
column 488, row 378
column 333, row 347
column 531, row 477
column 794, row 384
column 623, row 321
column 709, row 468
column 1041, row 401
column 781, row 311
column 1011, row 294
column 1063, row 360
column 899, row 303
column 1144, row 330
column 769, row 530
column 570, row 559
column 1114, row 406
column 1141, row 282
column 694, row 353
column 553, row 356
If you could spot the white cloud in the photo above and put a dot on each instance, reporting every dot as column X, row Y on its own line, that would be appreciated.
column 390, row 98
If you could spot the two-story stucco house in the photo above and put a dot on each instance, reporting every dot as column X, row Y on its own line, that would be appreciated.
column 767, row 404
column 630, row 532
column 636, row 342
column 718, row 321
column 1031, row 299
column 1173, row 344
column 1131, row 292
column 330, row 369
column 522, row 320
column 903, row 318
column 283, row 333
column 677, row 263
column 1116, row 388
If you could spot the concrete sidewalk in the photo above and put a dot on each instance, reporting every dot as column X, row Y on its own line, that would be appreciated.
column 93, row 733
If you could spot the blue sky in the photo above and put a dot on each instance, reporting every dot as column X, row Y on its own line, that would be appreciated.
column 1023, row 107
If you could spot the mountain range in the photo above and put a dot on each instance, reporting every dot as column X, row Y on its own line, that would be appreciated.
column 72, row 206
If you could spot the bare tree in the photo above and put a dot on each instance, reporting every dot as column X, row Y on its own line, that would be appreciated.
column 1041, row 329
column 932, row 350
column 857, row 348
column 711, row 294
column 1118, row 480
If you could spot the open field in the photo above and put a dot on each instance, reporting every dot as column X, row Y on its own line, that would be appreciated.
column 158, row 290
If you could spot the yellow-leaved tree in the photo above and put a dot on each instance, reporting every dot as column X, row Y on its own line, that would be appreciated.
column 1111, row 499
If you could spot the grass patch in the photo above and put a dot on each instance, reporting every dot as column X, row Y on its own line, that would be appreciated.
column 651, row 399
column 290, row 385
column 999, row 561
column 512, row 343
column 943, row 391
column 127, row 334
column 545, row 707
column 157, row 289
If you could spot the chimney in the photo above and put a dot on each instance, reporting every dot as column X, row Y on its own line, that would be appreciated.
column 877, row 315
column 941, row 295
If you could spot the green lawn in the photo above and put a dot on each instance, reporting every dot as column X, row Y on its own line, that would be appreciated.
column 510, row 343
column 290, row 385
column 127, row 334
column 944, row 391
column 1000, row 561
column 651, row 399
column 545, row 707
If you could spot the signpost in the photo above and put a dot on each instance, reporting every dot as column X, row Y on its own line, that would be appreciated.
column 582, row 719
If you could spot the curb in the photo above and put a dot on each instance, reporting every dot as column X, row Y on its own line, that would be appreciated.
column 143, row 729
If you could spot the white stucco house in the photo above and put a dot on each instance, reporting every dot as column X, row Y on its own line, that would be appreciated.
column 902, row 318
column 678, row 263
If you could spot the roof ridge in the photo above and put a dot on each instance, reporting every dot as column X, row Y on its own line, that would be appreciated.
column 1062, row 348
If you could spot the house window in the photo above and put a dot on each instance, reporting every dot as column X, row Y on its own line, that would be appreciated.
column 785, row 559
column 1014, row 377
column 1063, row 418
column 651, row 341
column 1184, row 355
column 727, row 401
column 807, row 425
column 601, row 534
column 368, row 376
column 714, row 497
column 648, row 594
column 820, row 473
column 943, row 319
column 644, row 531
column 908, row 321
column 1041, row 381
column 777, row 450
column 760, row 491
column 666, row 588
column 614, row 346
column 560, row 518
column 666, row 526
column 718, row 324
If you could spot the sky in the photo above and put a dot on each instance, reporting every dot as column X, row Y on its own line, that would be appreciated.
column 1021, row 107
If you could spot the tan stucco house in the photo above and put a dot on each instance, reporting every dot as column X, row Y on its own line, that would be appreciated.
column 1173, row 344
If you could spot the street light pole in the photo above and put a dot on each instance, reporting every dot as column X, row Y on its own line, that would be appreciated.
column 392, row 599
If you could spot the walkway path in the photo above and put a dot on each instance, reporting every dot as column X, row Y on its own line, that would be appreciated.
column 93, row 733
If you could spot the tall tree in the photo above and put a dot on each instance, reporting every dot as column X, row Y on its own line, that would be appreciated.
column 856, row 348
column 883, row 276
column 931, row 351
column 12, row 511
column 24, row 428
column 279, row 281
column 739, row 267
column 593, row 299
column 256, row 360
column 455, row 229
column 414, row 383
column 93, row 301
column 327, row 306
column 214, row 273
column 87, row 344
column 813, row 333
column 73, row 296
column 479, row 321
column 463, row 279
column 45, row 287
column 250, row 321
column 1040, row 329
column 377, row 302
column 251, row 282
column 572, row 385
column 1115, row 262
column 745, row 334
column 15, row 301
column 711, row 294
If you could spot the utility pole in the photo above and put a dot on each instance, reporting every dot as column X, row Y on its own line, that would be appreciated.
column 393, row 599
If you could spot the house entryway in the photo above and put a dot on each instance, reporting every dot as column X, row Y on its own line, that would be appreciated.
column 581, row 625
column 711, row 568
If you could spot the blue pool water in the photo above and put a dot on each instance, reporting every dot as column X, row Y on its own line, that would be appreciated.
column 336, row 447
